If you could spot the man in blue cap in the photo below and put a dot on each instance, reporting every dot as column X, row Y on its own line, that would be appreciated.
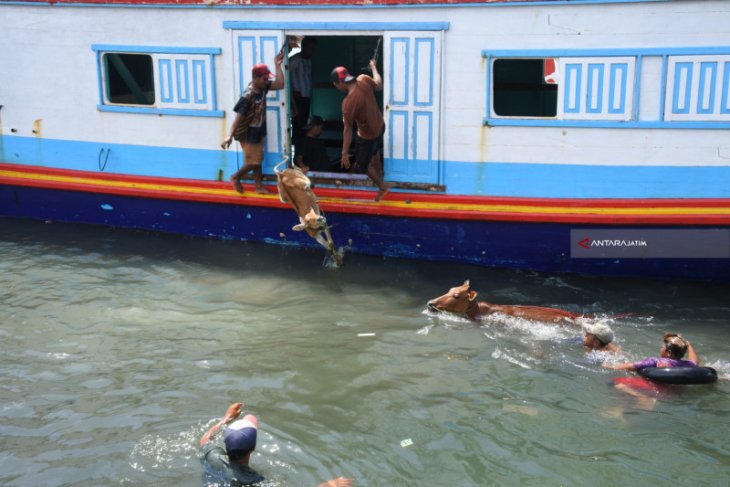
column 230, row 466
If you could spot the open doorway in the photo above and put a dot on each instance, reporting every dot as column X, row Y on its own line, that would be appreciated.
column 322, row 156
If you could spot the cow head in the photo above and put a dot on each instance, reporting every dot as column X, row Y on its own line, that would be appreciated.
column 311, row 221
column 459, row 300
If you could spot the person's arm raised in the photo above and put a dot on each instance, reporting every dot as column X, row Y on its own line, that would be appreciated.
column 234, row 410
column 278, row 83
column 691, row 354
column 376, row 75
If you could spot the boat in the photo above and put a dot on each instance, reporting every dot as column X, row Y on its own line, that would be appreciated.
column 581, row 136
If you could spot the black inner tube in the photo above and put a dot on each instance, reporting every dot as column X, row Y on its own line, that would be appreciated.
column 680, row 375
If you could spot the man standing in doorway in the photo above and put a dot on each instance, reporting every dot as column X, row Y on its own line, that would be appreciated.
column 300, row 74
column 249, row 126
column 360, row 107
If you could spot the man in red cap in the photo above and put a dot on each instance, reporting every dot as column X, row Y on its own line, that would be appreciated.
column 361, row 108
column 230, row 466
column 249, row 126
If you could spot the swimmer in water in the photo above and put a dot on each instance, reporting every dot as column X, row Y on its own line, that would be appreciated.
column 599, row 337
column 224, row 466
column 674, row 348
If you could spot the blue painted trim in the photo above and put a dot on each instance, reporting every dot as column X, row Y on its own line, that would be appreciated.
column 348, row 26
column 663, row 89
column 701, row 88
column 460, row 177
column 429, row 117
column 277, row 111
column 624, row 68
column 272, row 95
column 724, row 106
column 592, row 181
column 417, row 70
column 199, row 75
column 570, row 91
column 165, row 68
column 598, row 108
column 639, row 53
column 213, row 95
column 334, row 7
column 241, row 73
column 100, row 78
column 655, row 51
column 490, row 82
column 404, row 115
column 603, row 124
column 407, row 69
column 637, row 87
column 161, row 111
column 179, row 77
column 678, row 68
column 155, row 49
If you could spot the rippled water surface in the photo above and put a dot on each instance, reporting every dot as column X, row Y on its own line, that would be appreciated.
column 120, row 349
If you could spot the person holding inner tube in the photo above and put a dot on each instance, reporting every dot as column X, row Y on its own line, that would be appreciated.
column 674, row 348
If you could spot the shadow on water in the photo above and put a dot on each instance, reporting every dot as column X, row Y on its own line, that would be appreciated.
column 121, row 347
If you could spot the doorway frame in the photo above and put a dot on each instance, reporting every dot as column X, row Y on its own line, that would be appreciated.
column 294, row 28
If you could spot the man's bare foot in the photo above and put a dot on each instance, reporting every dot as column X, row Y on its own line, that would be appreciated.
column 261, row 190
column 236, row 184
column 383, row 191
column 646, row 403
column 615, row 413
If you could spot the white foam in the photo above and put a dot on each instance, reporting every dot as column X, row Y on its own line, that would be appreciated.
column 499, row 354
column 536, row 329
column 721, row 366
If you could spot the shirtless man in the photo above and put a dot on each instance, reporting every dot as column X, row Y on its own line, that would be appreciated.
column 359, row 107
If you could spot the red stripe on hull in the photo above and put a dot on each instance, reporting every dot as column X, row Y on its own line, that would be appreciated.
column 360, row 201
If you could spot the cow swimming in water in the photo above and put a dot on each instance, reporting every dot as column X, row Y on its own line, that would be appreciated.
column 461, row 300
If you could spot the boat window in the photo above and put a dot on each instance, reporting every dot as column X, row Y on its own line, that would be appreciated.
column 129, row 79
column 525, row 87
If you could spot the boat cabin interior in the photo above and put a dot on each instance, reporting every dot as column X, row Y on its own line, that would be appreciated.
column 353, row 52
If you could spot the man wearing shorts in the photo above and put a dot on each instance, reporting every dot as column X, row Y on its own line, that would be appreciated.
column 249, row 126
column 360, row 107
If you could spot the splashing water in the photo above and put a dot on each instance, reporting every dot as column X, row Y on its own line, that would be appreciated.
column 166, row 452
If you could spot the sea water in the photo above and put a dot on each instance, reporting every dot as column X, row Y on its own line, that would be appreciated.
column 120, row 349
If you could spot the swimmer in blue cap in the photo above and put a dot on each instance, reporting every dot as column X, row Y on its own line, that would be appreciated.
column 223, row 466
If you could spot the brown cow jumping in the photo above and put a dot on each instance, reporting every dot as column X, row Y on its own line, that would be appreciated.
column 461, row 300
column 295, row 188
